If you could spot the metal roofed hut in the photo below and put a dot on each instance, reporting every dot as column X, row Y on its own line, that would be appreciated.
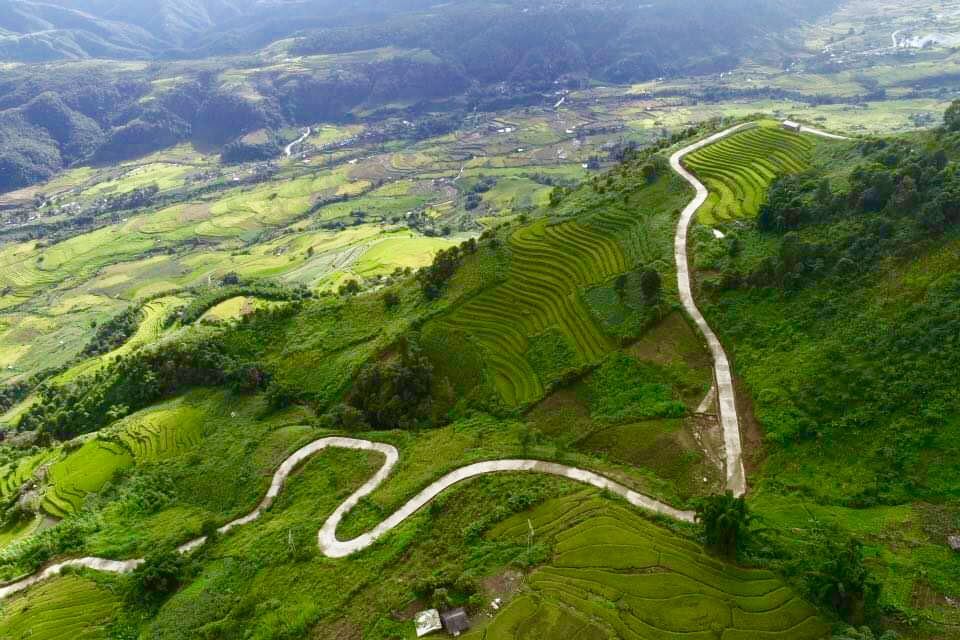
column 427, row 622
column 455, row 621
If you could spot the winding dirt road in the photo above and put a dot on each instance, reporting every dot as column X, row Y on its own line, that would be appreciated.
column 327, row 539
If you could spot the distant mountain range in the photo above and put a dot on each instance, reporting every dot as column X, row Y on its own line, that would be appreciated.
column 38, row 31
column 219, row 69
column 47, row 30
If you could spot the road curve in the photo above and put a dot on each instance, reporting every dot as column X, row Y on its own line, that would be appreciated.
column 729, row 420
column 327, row 539
column 726, row 399
column 822, row 134
column 288, row 150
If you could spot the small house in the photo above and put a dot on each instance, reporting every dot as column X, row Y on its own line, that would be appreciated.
column 790, row 125
column 427, row 622
column 455, row 621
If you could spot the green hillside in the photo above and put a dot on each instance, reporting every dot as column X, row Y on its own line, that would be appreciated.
column 614, row 574
column 839, row 308
column 554, row 336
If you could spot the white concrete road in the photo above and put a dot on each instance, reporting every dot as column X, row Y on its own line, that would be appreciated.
column 288, row 150
column 327, row 539
column 726, row 396
column 723, row 381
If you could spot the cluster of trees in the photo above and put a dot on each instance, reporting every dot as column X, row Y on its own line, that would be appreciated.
column 129, row 384
column 828, row 566
column 240, row 151
column 900, row 195
column 642, row 285
column 231, row 287
column 114, row 332
column 388, row 394
column 11, row 394
column 433, row 278
column 475, row 195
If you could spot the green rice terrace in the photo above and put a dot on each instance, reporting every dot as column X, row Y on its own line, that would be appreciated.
column 615, row 574
column 556, row 279
column 739, row 170
column 72, row 607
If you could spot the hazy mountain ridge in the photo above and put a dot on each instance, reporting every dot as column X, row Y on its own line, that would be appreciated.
column 343, row 57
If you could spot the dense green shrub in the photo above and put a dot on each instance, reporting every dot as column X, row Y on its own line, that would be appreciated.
column 621, row 391
column 113, row 333
column 726, row 523
column 394, row 394
column 833, row 573
column 445, row 264
column 209, row 297
column 160, row 575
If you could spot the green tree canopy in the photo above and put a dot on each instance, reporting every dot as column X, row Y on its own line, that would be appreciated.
column 726, row 522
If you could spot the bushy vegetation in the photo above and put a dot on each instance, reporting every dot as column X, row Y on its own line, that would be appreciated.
column 621, row 391
column 131, row 383
column 208, row 297
column 395, row 394
column 726, row 523
column 434, row 277
column 160, row 575
column 114, row 332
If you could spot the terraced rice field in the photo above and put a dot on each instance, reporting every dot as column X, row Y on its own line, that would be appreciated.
column 147, row 436
column 614, row 574
column 550, row 264
column 68, row 608
column 15, row 474
column 83, row 471
column 150, row 329
column 739, row 169
column 162, row 432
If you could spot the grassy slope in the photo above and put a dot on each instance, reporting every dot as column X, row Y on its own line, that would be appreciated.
column 853, row 383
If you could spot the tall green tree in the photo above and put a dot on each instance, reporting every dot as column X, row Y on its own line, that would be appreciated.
column 726, row 523
column 951, row 118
